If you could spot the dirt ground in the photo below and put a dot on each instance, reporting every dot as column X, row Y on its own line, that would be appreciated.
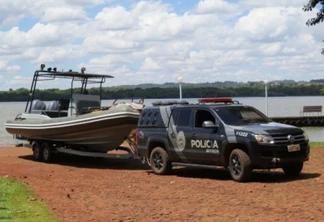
column 83, row 189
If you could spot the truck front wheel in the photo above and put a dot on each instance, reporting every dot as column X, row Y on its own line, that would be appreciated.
column 293, row 170
column 240, row 165
column 159, row 161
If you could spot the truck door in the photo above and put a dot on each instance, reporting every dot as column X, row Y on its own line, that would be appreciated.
column 179, row 131
column 205, row 141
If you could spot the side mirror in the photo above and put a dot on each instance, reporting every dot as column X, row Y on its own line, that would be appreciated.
column 209, row 124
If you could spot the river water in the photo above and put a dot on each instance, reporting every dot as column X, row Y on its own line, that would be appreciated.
column 274, row 106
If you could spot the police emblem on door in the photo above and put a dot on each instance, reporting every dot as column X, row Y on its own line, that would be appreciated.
column 181, row 140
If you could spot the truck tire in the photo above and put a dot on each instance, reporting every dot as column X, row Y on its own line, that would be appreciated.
column 47, row 152
column 159, row 161
column 37, row 151
column 240, row 166
column 293, row 170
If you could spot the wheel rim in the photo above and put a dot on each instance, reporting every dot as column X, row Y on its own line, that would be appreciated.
column 36, row 151
column 236, row 165
column 45, row 153
column 158, row 161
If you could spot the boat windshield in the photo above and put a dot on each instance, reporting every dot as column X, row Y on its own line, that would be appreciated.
column 241, row 115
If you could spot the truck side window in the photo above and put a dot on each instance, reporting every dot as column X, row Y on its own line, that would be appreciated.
column 202, row 116
column 183, row 117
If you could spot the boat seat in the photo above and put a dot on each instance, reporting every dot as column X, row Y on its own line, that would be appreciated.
column 57, row 108
column 53, row 106
column 38, row 105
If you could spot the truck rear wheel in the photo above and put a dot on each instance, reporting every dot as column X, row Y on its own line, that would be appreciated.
column 159, row 161
column 293, row 170
column 37, row 151
column 47, row 153
column 240, row 165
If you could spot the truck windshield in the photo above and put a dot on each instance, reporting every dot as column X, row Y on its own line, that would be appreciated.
column 241, row 115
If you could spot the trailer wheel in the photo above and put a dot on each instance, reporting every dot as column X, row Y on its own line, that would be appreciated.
column 47, row 152
column 36, row 151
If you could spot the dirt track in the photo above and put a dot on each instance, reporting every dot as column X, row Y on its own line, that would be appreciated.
column 80, row 189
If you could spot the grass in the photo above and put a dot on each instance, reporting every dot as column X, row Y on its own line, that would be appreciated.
column 19, row 203
column 316, row 144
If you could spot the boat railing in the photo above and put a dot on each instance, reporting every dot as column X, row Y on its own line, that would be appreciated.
column 134, row 100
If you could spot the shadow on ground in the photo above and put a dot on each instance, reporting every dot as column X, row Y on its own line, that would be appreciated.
column 263, row 176
column 93, row 162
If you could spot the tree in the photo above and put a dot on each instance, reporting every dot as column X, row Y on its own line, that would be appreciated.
column 319, row 16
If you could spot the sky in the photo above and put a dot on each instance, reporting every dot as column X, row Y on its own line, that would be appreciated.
column 141, row 42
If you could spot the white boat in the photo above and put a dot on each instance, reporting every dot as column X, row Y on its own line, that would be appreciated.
column 78, row 122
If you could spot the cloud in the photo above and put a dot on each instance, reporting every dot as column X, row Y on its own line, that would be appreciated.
column 256, row 26
column 63, row 14
column 215, row 6
column 117, row 18
column 86, row 3
column 150, row 41
column 149, row 65
column 263, row 4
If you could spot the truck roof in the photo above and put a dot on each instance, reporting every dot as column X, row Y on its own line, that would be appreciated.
column 212, row 101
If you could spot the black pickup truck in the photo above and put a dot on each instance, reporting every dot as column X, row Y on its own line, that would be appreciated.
column 218, row 132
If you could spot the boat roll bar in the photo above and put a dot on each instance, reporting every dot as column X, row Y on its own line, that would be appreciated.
column 52, row 73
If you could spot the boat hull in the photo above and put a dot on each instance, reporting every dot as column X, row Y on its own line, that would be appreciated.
column 99, row 131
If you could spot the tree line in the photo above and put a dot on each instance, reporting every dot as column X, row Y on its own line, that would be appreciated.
column 250, row 89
